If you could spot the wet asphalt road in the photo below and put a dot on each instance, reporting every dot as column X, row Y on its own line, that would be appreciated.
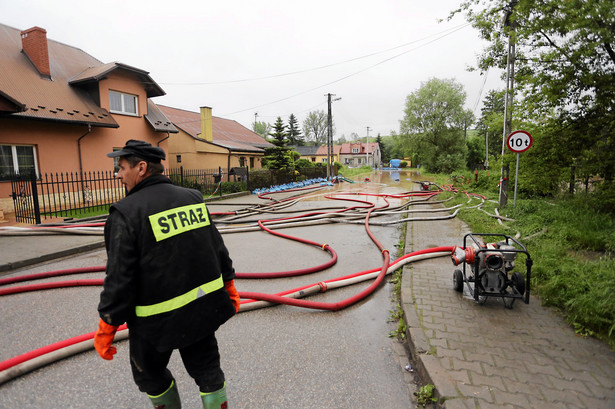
column 278, row 357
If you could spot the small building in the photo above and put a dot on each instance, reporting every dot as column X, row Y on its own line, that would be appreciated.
column 360, row 154
column 208, row 142
column 317, row 154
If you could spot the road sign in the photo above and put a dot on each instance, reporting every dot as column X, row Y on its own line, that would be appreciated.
column 519, row 141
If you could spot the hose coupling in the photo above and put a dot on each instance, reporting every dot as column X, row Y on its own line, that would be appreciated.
column 323, row 286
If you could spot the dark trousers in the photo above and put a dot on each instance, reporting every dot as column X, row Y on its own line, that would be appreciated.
column 149, row 366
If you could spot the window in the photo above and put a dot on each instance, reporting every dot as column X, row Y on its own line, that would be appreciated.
column 121, row 103
column 17, row 159
column 116, row 162
column 355, row 150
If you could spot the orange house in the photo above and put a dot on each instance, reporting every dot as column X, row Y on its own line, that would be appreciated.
column 62, row 110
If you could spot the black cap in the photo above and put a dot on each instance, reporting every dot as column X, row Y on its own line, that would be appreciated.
column 142, row 149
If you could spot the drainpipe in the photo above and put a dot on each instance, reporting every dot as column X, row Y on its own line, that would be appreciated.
column 164, row 139
column 228, row 168
column 81, row 162
column 79, row 148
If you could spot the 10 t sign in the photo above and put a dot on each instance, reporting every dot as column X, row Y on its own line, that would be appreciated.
column 519, row 141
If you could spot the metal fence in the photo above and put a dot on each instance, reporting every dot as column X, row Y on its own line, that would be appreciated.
column 63, row 194
column 74, row 194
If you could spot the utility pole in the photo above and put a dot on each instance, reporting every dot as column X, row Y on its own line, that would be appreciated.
column 330, row 136
column 367, row 147
column 508, row 98
column 487, row 149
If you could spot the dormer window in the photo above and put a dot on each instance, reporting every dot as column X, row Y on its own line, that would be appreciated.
column 121, row 103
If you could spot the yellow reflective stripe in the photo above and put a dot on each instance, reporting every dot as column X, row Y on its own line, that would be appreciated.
column 180, row 300
column 168, row 389
column 175, row 221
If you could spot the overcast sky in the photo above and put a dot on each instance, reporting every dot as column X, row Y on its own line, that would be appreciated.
column 275, row 57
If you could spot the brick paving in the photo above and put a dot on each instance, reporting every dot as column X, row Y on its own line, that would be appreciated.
column 488, row 356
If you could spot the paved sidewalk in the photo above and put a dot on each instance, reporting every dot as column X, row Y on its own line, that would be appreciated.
column 22, row 251
column 487, row 356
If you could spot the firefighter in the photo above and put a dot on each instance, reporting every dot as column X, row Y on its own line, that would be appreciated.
column 169, row 277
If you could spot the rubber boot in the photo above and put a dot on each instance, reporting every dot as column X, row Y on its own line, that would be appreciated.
column 215, row 400
column 169, row 399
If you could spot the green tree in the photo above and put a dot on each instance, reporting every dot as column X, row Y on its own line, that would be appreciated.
column 433, row 115
column 476, row 152
column 563, row 71
column 315, row 127
column 261, row 128
column 294, row 133
column 399, row 147
column 279, row 156
column 466, row 120
column 491, row 121
column 384, row 154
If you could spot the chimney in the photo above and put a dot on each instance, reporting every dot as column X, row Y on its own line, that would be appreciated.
column 207, row 131
column 34, row 44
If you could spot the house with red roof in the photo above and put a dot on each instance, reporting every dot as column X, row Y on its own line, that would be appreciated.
column 62, row 110
column 205, row 141
column 360, row 154
column 317, row 154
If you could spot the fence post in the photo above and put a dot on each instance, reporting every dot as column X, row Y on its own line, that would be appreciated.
column 82, row 184
column 37, row 210
column 220, row 173
column 248, row 178
column 181, row 176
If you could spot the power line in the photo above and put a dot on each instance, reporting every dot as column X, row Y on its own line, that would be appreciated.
column 452, row 30
column 350, row 75
column 480, row 94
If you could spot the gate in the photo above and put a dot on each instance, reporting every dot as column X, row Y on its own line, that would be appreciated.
column 25, row 199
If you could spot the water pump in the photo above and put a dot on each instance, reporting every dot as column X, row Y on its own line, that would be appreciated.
column 491, row 268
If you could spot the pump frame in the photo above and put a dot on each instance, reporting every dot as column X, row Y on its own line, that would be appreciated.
column 476, row 290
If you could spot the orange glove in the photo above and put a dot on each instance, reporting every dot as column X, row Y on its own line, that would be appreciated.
column 232, row 292
column 103, row 339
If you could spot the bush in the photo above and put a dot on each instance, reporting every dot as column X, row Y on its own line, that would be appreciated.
column 304, row 163
column 234, row 187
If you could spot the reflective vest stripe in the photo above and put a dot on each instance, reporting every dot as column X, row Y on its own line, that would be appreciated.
column 180, row 300
column 175, row 221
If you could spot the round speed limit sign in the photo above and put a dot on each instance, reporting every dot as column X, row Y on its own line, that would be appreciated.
column 519, row 141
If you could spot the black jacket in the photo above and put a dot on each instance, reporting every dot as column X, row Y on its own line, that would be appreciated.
column 168, row 256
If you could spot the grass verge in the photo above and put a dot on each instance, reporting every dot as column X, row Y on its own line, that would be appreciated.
column 571, row 244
